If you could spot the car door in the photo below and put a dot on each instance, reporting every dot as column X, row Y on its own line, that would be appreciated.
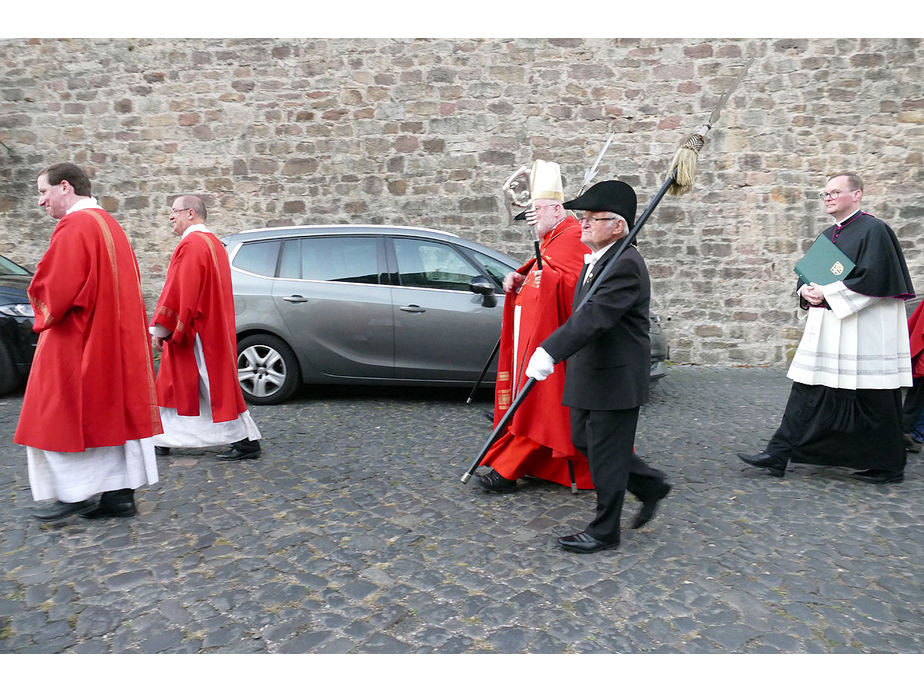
column 331, row 294
column 443, row 331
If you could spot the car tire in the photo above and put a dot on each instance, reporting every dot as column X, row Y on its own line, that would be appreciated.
column 267, row 369
column 9, row 376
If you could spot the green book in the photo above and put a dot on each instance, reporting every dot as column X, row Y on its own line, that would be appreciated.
column 824, row 263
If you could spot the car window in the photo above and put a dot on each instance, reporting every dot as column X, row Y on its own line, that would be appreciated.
column 340, row 259
column 258, row 257
column 497, row 269
column 432, row 265
column 10, row 267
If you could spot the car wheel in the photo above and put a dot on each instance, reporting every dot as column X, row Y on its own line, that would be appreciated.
column 9, row 377
column 267, row 369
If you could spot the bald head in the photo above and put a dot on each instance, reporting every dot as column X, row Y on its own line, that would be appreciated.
column 186, row 211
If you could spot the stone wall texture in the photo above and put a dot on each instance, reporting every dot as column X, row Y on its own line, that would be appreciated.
column 424, row 133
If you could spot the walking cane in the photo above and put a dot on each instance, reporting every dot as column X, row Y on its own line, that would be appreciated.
column 679, row 182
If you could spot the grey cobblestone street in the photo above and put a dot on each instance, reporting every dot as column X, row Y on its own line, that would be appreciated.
column 353, row 534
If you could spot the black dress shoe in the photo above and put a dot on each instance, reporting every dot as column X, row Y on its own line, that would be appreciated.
column 647, row 511
column 158, row 450
column 120, row 503
column 60, row 510
column 881, row 476
column 764, row 460
column 234, row 454
column 584, row 543
column 492, row 481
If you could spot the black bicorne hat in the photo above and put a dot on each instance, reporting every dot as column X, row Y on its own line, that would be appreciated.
column 608, row 196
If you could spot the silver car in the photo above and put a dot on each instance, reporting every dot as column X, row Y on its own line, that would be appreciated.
column 363, row 305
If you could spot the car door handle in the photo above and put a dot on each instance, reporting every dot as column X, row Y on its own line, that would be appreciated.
column 413, row 309
column 295, row 298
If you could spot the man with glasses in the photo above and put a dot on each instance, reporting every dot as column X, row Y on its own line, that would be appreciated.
column 89, row 411
column 606, row 344
column 201, row 403
column 845, row 406
column 537, row 441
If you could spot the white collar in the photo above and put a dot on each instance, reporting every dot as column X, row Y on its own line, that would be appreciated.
column 195, row 227
column 83, row 203
column 840, row 222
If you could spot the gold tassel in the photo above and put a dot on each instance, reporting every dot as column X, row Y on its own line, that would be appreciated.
column 684, row 165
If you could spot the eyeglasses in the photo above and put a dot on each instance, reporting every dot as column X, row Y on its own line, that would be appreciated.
column 833, row 194
column 589, row 220
column 174, row 212
column 538, row 207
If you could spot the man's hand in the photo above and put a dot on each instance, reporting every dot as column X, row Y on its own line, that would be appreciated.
column 157, row 343
column 531, row 216
column 513, row 281
column 813, row 293
column 541, row 365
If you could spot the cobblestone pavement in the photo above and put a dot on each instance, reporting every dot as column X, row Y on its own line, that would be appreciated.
column 353, row 534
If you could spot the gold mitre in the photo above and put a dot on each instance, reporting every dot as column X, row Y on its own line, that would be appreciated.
column 545, row 181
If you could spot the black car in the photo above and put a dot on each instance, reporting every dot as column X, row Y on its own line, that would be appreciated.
column 17, row 340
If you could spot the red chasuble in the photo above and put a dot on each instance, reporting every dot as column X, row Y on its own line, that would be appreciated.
column 538, row 440
column 198, row 300
column 92, row 378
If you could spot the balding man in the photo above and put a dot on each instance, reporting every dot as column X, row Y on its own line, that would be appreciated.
column 199, row 394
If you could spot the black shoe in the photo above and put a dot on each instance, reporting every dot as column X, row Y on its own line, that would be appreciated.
column 235, row 454
column 911, row 445
column 492, row 481
column 764, row 460
column 584, row 543
column 881, row 476
column 489, row 415
column 60, row 510
column 158, row 450
column 119, row 503
column 647, row 511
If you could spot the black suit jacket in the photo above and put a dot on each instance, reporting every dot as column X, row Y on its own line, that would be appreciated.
column 606, row 341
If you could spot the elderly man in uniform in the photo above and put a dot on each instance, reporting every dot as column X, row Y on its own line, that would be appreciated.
column 193, row 328
column 606, row 345
column 89, row 411
column 537, row 442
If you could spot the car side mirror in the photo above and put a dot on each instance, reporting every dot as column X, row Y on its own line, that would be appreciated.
column 484, row 286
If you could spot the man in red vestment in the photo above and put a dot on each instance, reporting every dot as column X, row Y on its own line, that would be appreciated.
column 537, row 441
column 193, row 327
column 89, row 411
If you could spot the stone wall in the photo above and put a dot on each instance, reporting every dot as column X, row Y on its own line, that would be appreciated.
column 424, row 132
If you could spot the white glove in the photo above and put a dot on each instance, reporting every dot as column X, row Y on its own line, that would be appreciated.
column 531, row 217
column 541, row 365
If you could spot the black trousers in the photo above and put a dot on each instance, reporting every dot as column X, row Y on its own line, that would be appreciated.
column 607, row 438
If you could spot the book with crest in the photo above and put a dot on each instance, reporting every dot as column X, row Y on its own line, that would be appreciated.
column 824, row 263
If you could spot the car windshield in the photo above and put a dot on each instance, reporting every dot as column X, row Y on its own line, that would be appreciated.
column 10, row 267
